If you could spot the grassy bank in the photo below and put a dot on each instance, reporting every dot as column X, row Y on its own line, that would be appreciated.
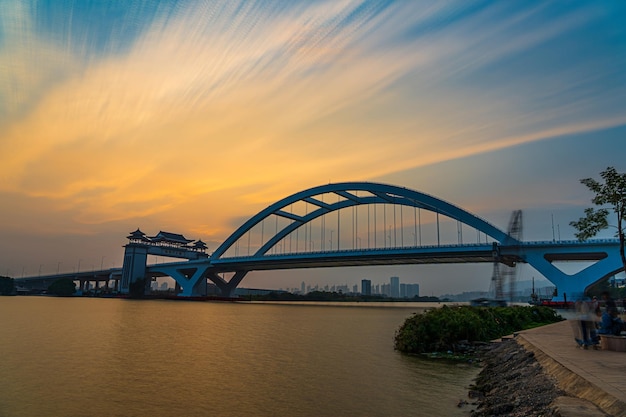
column 453, row 329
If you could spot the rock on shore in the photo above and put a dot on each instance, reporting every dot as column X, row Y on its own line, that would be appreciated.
column 513, row 383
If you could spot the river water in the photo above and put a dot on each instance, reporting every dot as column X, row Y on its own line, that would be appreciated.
column 114, row 357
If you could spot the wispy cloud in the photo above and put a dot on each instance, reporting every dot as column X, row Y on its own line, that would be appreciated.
column 209, row 99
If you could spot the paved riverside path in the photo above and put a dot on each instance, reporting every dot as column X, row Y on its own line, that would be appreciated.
column 598, row 376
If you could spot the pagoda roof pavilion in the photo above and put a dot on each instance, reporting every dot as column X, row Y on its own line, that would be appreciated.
column 138, row 235
column 170, row 238
column 200, row 245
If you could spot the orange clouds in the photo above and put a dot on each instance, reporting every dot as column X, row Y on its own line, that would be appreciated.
column 211, row 115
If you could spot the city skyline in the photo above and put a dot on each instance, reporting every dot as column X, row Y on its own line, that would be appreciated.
column 192, row 117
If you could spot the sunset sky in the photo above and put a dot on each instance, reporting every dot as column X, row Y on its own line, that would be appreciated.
column 192, row 116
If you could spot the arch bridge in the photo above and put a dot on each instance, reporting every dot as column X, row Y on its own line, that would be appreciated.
column 365, row 223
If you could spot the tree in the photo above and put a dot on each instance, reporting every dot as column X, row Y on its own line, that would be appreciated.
column 608, row 195
column 7, row 286
column 63, row 287
column 137, row 289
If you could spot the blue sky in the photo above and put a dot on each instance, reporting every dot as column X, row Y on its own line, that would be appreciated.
column 189, row 116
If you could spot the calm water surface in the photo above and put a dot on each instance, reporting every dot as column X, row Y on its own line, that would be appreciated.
column 112, row 357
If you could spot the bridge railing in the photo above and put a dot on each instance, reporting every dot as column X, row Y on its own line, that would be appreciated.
column 363, row 250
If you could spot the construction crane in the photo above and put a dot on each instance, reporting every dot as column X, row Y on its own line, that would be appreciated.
column 502, row 273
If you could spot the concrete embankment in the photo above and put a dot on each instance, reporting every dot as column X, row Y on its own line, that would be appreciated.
column 593, row 380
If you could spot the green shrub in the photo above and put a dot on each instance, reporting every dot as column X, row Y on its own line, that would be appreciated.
column 63, row 287
column 442, row 329
column 7, row 286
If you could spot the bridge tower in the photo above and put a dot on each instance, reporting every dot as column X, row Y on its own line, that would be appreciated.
column 135, row 259
column 170, row 245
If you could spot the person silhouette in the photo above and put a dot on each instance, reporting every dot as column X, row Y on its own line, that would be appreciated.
column 610, row 324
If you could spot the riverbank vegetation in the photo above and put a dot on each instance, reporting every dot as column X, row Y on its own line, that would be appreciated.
column 7, row 286
column 453, row 329
column 62, row 287
column 609, row 195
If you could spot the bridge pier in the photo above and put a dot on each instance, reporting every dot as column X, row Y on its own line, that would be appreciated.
column 227, row 288
column 190, row 278
column 573, row 286
column 134, row 267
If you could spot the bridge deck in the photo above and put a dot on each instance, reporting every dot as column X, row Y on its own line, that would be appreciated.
column 354, row 258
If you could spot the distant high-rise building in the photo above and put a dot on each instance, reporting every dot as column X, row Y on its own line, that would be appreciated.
column 385, row 289
column 409, row 290
column 303, row 287
column 394, row 287
column 366, row 287
column 343, row 289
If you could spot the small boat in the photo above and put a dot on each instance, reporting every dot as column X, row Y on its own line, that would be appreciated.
column 557, row 304
column 488, row 302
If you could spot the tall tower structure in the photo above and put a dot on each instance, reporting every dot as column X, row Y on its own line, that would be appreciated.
column 412, row 290
column 163, row 244
column 394, row 287
column 504, row 273
column 135, row 259
column 366, row 287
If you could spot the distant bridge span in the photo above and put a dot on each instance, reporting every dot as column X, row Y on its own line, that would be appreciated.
column 290, row 244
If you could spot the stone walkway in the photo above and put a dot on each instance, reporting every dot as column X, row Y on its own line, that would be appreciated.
column 597, row 376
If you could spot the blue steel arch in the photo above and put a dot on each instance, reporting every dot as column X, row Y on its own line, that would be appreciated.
column 379, row 194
